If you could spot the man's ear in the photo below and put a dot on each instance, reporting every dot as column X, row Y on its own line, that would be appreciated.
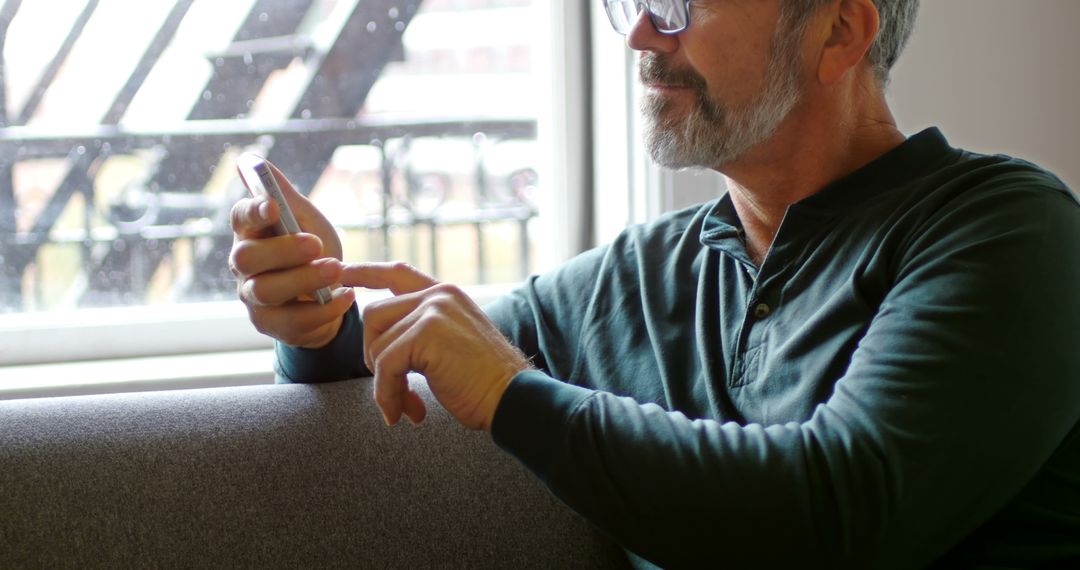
column 854, row 27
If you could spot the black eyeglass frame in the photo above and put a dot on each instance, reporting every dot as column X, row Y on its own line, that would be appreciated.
column 647, row 4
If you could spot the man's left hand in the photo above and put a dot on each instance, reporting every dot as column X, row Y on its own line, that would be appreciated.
column 434, row 329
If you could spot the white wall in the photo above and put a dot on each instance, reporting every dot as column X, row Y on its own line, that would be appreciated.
column 996, row 76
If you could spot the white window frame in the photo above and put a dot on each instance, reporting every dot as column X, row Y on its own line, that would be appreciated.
column 89, row 351
column 629, row 187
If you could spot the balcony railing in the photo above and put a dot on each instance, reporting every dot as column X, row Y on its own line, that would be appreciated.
column 173, row 208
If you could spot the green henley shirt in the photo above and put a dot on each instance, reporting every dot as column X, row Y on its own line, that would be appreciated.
column 898, row 384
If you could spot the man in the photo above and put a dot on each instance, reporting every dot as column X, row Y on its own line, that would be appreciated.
column 863, row 355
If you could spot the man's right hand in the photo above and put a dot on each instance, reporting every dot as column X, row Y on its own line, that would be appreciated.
column 276, row 274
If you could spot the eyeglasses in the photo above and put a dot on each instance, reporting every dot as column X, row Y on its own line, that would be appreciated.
column 668, row 16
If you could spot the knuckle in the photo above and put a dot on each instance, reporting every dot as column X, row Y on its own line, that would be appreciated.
column 402, row 266
column 370, row 311
column 239, row 215
column 234, row 264
column 444, row 298
column 450, row 295
column 446, row 289
column 429, row 320
column 384, row 394
column 233, row 270
column 431, row 304
column 250, row 292
column 240, row 258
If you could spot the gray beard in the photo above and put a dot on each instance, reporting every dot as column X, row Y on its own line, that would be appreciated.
column 712, row 135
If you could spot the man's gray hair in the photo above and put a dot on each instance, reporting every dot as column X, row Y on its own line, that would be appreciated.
column 897, row 19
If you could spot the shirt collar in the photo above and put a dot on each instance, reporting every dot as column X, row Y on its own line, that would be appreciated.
column 914, row 158
column 918, row 155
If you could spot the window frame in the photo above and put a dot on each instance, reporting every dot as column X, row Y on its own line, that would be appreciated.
column 630, row 187
column 98, row 336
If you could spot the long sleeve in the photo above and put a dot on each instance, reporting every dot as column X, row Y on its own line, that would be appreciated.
column 966, row 381
column 340, row 360
column 544, row 333
column 545, row 315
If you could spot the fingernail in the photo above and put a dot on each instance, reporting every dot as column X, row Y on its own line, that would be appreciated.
column 264, row 209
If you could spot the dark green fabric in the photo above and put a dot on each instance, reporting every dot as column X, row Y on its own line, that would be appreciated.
column 899, row 383
column 342, row 359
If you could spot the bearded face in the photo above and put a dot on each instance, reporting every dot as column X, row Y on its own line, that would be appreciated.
column 711, row 134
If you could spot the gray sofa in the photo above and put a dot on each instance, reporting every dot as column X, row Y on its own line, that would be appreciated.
column 272, row 476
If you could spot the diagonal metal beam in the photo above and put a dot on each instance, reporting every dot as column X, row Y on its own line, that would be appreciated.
column 336, row 87
column 146, row 63
column 373, row 29
column 79, row 164
column 47, row 76
column 237, row 78
column 7, row 14
column 58, row 201
column 10, row 276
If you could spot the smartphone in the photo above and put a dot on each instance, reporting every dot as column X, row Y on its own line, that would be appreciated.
column 261, row 182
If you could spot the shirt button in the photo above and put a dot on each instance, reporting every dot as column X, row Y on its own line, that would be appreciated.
column 762, row 310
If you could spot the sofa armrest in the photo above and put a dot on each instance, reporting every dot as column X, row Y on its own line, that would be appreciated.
column 269, row 476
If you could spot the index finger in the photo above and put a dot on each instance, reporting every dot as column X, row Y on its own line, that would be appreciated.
column 398, row 277
column 253, row 217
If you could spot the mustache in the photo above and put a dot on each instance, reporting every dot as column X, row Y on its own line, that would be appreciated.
column 655, row 68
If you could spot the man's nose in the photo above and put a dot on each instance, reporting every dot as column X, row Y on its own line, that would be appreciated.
column 644, row 37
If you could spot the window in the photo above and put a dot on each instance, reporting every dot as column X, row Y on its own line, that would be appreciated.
column 421, row 129
column 629, row 187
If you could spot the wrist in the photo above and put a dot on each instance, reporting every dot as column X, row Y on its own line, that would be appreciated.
column 495, row 395
column 491, row 403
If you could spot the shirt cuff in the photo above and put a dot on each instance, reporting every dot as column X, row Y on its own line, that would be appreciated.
column 532, row 421
column 339, row 360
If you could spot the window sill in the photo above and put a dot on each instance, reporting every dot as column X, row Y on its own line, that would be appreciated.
column 206, row 370
column 234, row 355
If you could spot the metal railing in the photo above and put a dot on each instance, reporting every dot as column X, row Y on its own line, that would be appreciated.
column 178, row 203
column 165, row 217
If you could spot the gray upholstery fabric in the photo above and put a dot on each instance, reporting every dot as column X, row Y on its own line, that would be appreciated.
column 282, row 476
